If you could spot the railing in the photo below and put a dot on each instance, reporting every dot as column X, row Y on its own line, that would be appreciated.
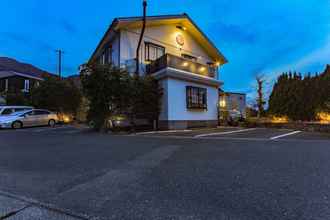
column 175, row 62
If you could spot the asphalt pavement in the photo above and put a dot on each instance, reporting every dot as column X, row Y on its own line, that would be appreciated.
column 228, row 174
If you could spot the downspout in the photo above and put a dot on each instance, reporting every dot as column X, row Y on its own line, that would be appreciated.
column 141, row 37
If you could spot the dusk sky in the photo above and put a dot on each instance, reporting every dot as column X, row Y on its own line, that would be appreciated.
column 256, row 36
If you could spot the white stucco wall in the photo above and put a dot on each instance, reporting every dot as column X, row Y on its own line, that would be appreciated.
column 175, row 107
column 165, row 36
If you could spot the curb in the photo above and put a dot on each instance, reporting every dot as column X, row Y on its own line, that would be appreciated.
column 50, row 207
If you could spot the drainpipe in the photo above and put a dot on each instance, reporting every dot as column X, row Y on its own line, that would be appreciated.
column 141, row 37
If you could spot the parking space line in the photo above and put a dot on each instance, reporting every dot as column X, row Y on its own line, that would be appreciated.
column 224, row 133
column 285, row 135
column 161, row 132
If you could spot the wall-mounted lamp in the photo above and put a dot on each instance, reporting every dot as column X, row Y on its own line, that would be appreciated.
column 202, row 69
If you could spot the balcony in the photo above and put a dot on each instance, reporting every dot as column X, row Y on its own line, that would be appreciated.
column 179, row 63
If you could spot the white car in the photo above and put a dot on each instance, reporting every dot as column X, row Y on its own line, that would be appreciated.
column 29, row 118
column 7, row 110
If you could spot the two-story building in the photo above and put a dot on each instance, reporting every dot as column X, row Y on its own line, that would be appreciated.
column 178, row 54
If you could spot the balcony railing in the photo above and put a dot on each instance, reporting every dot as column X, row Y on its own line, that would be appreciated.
column 175, row 62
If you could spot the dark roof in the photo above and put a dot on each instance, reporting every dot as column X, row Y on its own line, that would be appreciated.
column 230, row 93
column 9, row 73
column 9, row 64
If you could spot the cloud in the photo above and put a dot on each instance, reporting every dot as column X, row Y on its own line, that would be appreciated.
column 232, row 33
column 68, row 27
column 25, row 40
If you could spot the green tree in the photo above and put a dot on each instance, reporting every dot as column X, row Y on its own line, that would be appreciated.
column 56, row 95
column 260, row 95
column 112, row 91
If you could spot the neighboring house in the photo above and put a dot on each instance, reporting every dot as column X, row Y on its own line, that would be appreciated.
column 232, row 101
column 11, row 81
column 17, row 76
column 177, row 53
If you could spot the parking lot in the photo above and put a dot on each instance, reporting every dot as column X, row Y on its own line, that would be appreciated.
column 224, row 173
column 235, row 133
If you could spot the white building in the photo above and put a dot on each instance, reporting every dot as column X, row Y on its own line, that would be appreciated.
column 177, row 53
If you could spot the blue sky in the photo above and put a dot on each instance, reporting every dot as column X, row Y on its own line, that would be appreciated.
column 256, row 36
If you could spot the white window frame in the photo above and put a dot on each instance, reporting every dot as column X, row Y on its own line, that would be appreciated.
column 6, row 85
column 26, row 85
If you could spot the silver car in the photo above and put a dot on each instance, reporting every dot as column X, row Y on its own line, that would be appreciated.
column 7, row 110
column 35, row 117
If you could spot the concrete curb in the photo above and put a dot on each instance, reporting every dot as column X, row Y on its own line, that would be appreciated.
column 50, row 207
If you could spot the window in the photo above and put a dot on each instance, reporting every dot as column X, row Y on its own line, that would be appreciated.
column 153, row 51
column 26, row 85
column 6, row 85
column 40, row 112
column 102, row 59
column 108, row 55
column 189, row 57
column 196, row 97
column 7, row 111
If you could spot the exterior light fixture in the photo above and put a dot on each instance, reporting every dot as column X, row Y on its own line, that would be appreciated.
column 185, row 64
column 222, row 103
column 202, row 69
column 217, row 63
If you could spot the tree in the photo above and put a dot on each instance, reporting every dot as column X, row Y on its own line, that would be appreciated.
column 56, row 95
column 112, row 91
column 260, row 95
column 107, row 90
column 300, row 98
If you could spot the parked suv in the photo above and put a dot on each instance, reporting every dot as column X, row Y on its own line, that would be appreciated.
column 7, row 110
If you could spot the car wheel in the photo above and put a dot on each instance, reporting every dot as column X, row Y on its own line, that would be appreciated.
column 17, row 125
column 52, row 123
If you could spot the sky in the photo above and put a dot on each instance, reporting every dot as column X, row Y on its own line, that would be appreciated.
column 256, row 36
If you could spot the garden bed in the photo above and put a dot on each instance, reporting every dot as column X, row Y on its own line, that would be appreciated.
column 302, row 126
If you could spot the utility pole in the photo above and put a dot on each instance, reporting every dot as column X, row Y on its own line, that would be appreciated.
column 137, row 70
column 60, row 52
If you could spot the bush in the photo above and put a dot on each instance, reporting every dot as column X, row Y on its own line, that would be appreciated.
column 56, row 95
column 112, row 91
column 17, row 98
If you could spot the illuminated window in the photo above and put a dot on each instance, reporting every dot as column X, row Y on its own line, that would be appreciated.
column 196, row 97
column 153, row 51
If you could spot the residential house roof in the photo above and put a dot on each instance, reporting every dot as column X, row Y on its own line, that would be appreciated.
column 180, row 19
column 9, row 73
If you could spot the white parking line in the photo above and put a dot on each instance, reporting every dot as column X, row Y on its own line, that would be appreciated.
column 161, row 132
column 224, row 133
column 285, row 135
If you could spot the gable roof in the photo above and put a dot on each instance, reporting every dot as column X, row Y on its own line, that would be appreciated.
column 9, row 73
column 180, row 19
